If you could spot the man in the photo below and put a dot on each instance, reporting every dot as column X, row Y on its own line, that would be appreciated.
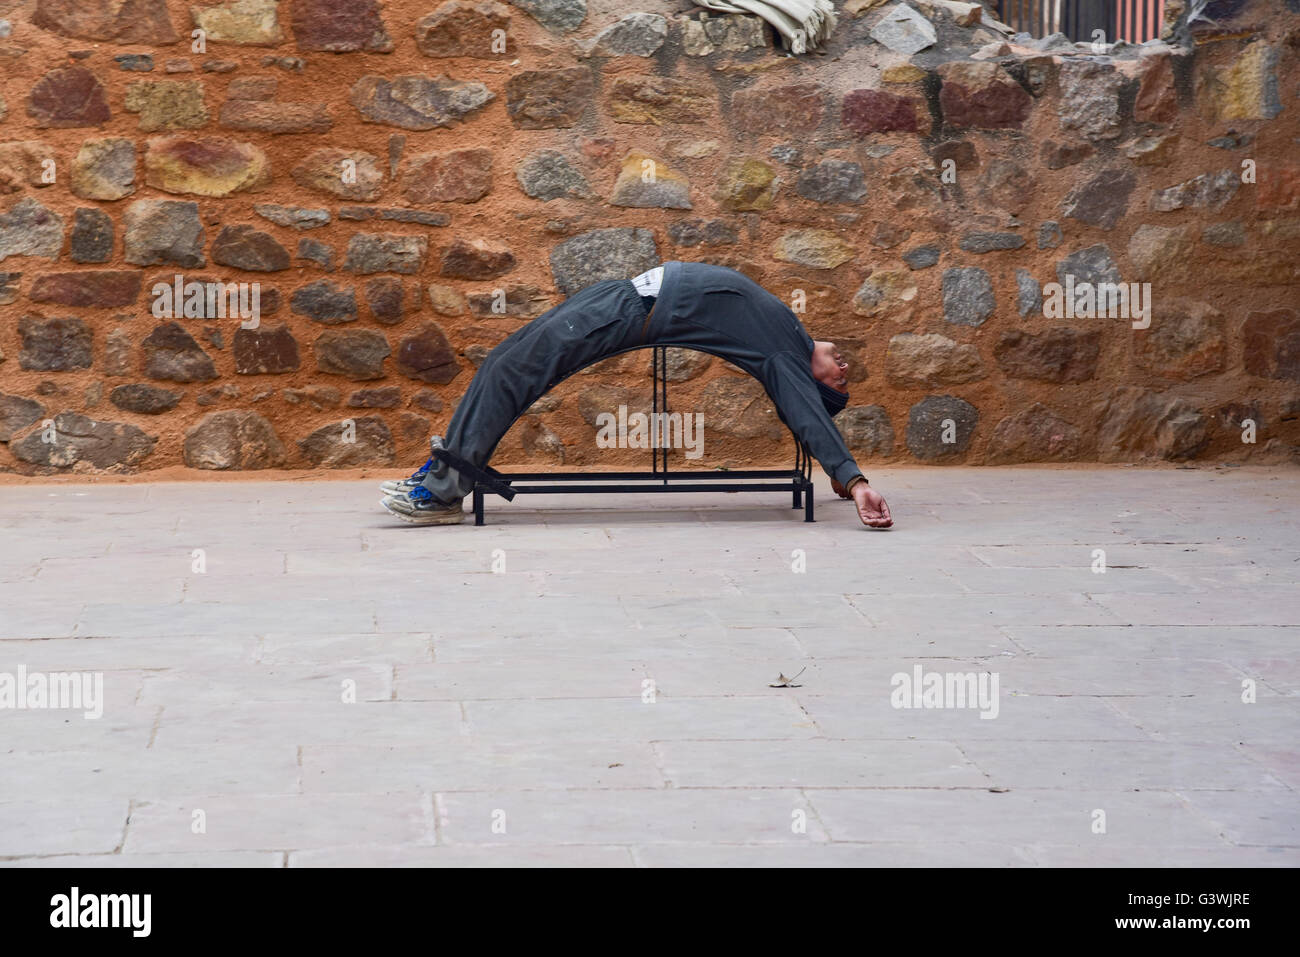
column 695, row 305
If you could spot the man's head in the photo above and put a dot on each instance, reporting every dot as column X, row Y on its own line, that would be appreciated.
column 831, row 372
column 828, row 366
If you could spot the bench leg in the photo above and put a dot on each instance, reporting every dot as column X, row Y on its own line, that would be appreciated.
column 796, row 499
column 478, row 506
column 808, row 503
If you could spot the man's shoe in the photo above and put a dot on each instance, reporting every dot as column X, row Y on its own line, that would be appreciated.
column 402, row 486
column 419, row 507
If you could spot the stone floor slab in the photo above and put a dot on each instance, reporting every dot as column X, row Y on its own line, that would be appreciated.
column 587, row 683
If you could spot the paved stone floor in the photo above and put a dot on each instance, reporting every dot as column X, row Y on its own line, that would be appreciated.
column 335, row 688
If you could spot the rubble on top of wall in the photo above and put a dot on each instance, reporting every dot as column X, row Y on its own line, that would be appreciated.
column 945, row 29
column 933, row 31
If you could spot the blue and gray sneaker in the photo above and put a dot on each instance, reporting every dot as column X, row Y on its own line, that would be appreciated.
column 402, row 486
column 419, row 507
column 416, row 479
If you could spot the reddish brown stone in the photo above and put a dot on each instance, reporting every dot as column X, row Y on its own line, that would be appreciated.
column 385, row 252
column 265, row 350
column 1272, row 345
column 23, row 164
column 877, row 111
column 547, row 99
column 17, row 413
column 476, row 259
column 1103, row 200
column 1136, row 423
column 234, row 439
column 339, row 26
column 889, row 235
column 276, row 117
column 358, row 354
column 386, row 298
column 171, row 353
column 426, row 355
column 252, row 88
column 1279, row 186
column 145, row 399
column 53, row 345
column 365, row 441
column 92, row 236
column 413, row 426
column 1185, row 340
column 323, row 301
column 1035, row 435
column 1157, row 101
column 457, row 176
column 319, row 397
column 961, row 152
column 385, row 397
column 787, row 108
column 117, row 353
column 1061, row 155
column 270, row 300
column 460, row 28
column 1057, row 355
column 659, row 100
column 525, row 301
column 244, row 247
column 428, row 400
column 143, row 22
column 95, row 287
column 1008, row 184
column 322, row 170
column 981, row 95
column 79, row 438
column 66, row 97
column 414, row 102
column 163, row 231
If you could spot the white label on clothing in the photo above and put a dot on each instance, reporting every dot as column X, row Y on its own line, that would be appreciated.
column 648, row 283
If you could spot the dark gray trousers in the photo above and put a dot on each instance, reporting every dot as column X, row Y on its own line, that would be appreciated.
column 603, row 319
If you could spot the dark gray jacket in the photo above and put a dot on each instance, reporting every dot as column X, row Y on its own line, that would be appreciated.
column 721, row 311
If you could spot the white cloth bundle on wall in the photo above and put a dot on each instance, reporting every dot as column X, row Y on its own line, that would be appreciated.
column 649, row 283
column 803, row 24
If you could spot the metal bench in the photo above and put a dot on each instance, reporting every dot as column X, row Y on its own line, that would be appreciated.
column 487, row 480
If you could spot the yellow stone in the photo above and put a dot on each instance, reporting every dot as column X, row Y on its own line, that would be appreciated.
column 1282, row 228
column 445, row 300
column 856, row 8
column 167, row 104
column 1246, row 90
column 205, row 167
column 882, row 291
column 815, row 248
column 747, row 185
column 251, row 22
column 649, row 182
column 1153, row 150
column 695, row 149
column 903, row 74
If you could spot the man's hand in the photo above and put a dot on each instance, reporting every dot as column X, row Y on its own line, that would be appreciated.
column 839, row 490
column 871, row 506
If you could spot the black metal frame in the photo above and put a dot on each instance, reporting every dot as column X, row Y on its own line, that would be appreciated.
column 1078, row 17
column 797, row 481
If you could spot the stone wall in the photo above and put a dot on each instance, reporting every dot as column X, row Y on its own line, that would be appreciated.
column 406, row 183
